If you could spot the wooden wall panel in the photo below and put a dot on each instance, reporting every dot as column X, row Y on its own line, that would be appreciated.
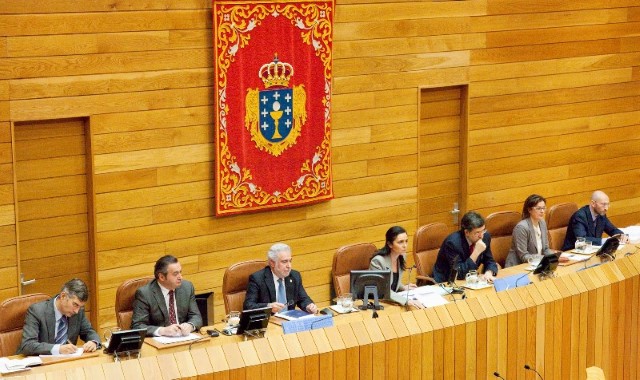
column 550, row 101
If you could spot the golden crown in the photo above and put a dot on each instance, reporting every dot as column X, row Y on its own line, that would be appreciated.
column 276, row 73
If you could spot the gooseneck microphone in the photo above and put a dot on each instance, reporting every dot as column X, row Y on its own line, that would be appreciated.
column 529, row 368
column 496, row 374
column 407, row 303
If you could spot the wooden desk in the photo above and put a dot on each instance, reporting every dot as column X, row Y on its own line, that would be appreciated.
column 560, row 326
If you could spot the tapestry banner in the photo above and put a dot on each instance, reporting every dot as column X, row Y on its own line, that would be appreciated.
column 273, row 64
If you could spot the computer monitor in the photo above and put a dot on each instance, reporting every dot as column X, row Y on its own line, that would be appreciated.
column 126, row 341
column 548, row 265
column 254, row 320
column 370, row 284
column 609, row 248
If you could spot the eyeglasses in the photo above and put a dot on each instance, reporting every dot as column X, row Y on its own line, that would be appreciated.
column 540, row 208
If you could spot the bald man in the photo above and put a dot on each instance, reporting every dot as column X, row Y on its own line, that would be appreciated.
column 590, row 222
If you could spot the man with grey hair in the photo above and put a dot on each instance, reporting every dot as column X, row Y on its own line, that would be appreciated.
column 53, row 326
column 591, row 221
column 278, row 286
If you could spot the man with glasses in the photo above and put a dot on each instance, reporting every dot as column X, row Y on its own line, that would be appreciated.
column 465, row 250
column 278, row 286
column 52, row 327
column 591, row 221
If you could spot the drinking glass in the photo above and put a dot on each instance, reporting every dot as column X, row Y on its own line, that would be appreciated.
column 472, row 278
column 233, row 319
column 346, row 301
column 534, row 260
column 587, row 246
column 107, row 334
column 581, row 244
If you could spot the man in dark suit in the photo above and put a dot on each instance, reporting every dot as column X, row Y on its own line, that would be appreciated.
column 590, row 222
column 52, row 327
column 465, row 250
column 167, row 305
column 278, row 286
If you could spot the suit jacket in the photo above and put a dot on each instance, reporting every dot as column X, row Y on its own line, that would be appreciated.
column 261, row 290
column 581, row 225
column 150, row 309
column 380, row 262
column 39, row 331
column 523, row 244
column 455, row 247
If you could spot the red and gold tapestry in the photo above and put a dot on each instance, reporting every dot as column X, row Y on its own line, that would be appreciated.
column 273, row 64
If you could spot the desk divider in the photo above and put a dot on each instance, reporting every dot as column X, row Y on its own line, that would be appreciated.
column 469, row 325
column 113, row 371
column 438, row 351
column 569, row 331
column 267, row 359
column 311, row 354
column 325, row 356
column 201, row 363
column 218, row 362
column 56, row 375
column 492, row 347
column 296, row 355
column 421, row 359
column 250, row 357
column 338, row 351
column 459, row 338
column 501, row 332
column 149, row 367
column 404, row 346
column 510, row 361
column 280, row 352
column 414, row 360
column 392, row 359
column 131, row 369
column 481, row 338
column 633, row 308
column 168, row 367
column 366, row 350
column 378, row 353
column 352, row 351
column 76, row 373
column 186, row 367
column 94, row 372
column 234, row 360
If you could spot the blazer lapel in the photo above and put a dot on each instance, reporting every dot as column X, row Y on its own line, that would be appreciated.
column 268, row 280
column 157, row 294
column 50, row 318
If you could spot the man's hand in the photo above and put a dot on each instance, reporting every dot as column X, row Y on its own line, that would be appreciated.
column 478, row 249
column 68, row 348
column 276, row 307
column 185, row 328
column 171, row 330
column 312, row 308
column 90, row 346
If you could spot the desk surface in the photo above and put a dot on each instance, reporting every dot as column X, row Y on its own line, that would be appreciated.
column 482, row 305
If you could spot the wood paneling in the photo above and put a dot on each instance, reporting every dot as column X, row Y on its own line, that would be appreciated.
column 547, row 91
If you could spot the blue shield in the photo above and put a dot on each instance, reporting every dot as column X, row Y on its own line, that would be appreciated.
column 276, row 114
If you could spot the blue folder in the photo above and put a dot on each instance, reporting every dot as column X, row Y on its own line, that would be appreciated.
column 511, row 282
column 307, row 323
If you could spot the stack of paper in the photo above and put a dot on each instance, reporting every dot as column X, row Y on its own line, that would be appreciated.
column 16, row 365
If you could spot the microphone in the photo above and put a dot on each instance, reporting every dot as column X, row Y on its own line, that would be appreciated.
column 529, row 368
column 496, row 374
column 408, row 289
column 520, row 278
column 203, row 337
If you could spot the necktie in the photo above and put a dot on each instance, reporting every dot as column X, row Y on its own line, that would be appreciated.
column 61, row 331
column 172, row 308
column 471, row 247
column 282, row 294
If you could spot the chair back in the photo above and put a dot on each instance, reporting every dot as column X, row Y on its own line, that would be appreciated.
column 347, row 258
column 426, row 244
column 557, row 221
column 595, row 373
column 235, row 281
column 12, row 313
column 125, row 294
column 500, row 225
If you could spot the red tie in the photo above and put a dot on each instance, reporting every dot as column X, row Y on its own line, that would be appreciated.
column 172, row 309
column 471, row 247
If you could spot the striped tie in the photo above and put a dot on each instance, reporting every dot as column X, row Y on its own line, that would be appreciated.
column 172, row 308
column 61, row 331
